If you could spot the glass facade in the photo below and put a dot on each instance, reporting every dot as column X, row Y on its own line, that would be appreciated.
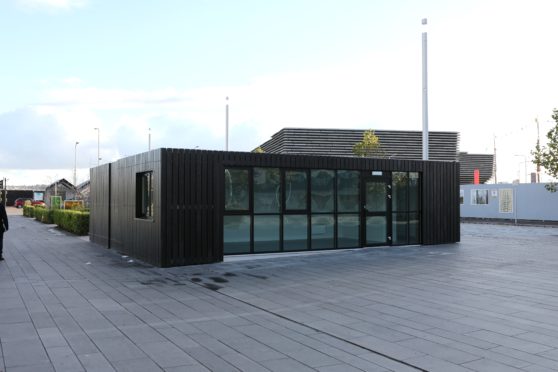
column 277, row 210
column 348, row 229
column 323, row 231
column 267, row 190
column 348, row 188
column 236, row 234
column 322, row 195
column 295, row 232
column 236, row 189
column 296, row 190
column 406, row 208
column 266, row 233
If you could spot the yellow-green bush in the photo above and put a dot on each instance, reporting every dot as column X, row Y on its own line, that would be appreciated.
column 43, row 214
column 28, row 211
column 76, row 222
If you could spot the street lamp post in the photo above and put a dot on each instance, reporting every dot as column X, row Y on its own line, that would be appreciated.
column 525, row 165
column 75, row 163
column 227, row 126
column 424, row 95
column 98, row 145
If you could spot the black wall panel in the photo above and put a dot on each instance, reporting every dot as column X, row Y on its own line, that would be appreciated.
column 189, row 190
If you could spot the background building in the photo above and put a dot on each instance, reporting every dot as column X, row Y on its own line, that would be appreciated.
column 443, row 146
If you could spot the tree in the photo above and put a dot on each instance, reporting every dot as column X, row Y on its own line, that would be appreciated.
column 369, row 147
column 547, row 156
column 258, row 150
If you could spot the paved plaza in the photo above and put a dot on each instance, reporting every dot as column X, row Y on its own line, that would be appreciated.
column 489, row 303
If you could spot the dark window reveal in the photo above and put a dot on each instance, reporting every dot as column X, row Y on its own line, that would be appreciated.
column 144, row 195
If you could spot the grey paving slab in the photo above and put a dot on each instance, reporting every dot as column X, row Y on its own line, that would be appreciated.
column 166, row 354
column 487, row 303
column 95, row 363
column 136, row 365
column 64, row 359
column 24, row 353
column 118, row 349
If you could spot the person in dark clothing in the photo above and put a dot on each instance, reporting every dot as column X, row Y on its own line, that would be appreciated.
column 3, row 227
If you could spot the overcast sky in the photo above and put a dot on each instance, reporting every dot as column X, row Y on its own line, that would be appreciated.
column 125, row 66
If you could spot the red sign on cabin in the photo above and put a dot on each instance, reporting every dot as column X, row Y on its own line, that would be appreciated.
column 476, row 177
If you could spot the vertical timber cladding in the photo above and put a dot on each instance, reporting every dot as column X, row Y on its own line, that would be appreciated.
column 440, row 196
column 192, row 191
column 135, row 237
column 191, row 199
column 99, row 220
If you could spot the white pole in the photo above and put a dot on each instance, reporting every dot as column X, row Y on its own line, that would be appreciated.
column 149, row 140
column 424, row 95
column 98, row 145
column 227, row 126
column 75, row 163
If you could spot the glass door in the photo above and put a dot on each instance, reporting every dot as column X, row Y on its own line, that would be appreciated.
column 377, row 211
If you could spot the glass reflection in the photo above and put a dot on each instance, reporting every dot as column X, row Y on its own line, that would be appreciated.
column 266, row 233
column 347, row 191
column 295, row 232
column 236, row 234
column 322, row 231
column 414, row 191
column 348, row 226
column 376, row 230
column 399, row 228
column 399, row 182
column 236, row 189
column 267, row 190
column 322, row 190
column 296, row 183
column 375, row 196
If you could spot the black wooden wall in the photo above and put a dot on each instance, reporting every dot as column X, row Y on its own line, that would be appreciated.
column 113, row 221
column 99, row 199
column 189, row 189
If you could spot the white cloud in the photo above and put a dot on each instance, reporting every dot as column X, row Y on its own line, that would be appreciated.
column 53, row 4
column 72, row 81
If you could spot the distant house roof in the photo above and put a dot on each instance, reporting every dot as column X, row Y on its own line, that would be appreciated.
column 83, row 185
column 61, row 182
column 398, row 144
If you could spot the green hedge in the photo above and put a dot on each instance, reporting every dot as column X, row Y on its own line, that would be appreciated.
column 44, row 215
column 76, row 222
column 28, row 211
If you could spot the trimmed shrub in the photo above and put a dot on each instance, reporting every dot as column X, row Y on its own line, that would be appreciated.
column 28, row 211
column 44, row 215
column 76, row 222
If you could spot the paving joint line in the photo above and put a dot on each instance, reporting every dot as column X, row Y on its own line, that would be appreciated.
column 319, row 330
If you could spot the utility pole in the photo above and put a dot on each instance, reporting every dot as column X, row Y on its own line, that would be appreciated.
column 149, row 140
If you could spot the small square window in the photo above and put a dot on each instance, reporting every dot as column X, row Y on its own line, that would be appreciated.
column 144, row 195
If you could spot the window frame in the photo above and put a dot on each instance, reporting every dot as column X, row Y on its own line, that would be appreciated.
column 144, row 207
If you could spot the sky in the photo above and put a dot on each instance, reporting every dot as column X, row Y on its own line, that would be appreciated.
column 164, row 68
